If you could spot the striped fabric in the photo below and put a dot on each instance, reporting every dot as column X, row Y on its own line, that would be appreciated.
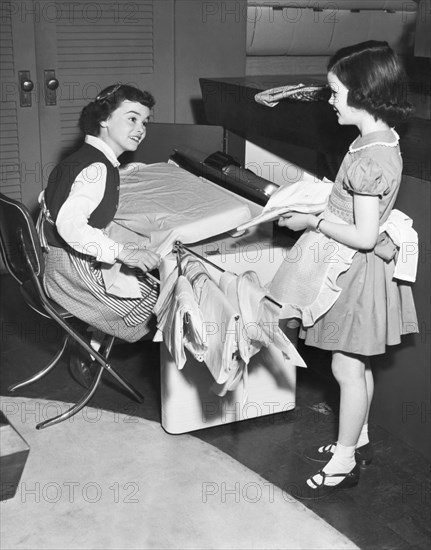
column 132, row 311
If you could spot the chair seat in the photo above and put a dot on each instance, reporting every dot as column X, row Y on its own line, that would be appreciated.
column 32, row 299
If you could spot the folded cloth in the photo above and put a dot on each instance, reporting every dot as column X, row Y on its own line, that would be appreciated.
column 308, row 197
column 297, row 92
column 120, row 280
column 399, row 227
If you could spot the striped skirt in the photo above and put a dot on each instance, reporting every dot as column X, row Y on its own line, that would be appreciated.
column 75, row 281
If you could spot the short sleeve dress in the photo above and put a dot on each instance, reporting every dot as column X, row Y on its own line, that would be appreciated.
column 358, row 306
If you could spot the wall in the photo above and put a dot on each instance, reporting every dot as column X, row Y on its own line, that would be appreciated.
column 210, row 41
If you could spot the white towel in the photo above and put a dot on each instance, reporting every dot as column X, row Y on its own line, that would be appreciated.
column 399, row 227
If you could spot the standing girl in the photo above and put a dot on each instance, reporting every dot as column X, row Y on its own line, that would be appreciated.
column 343, row 293
column 80, row 201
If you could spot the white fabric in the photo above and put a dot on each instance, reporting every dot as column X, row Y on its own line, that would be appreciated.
column 258, row 325
column 399, row 227
column 160, row 204
column 308, row 288
column 165, row 203
column 300, row 92
column 220, row 323
column 179, row 320
column 228, row 324
column 309, row 197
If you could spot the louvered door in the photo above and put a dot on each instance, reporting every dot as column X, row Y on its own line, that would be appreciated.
column 72, row 50
column 90, row 45
column 20, row 162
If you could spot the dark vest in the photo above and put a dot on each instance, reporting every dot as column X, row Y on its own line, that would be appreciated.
column 60, row 181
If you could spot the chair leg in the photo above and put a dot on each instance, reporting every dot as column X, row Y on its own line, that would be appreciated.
column 104, row 365
column 137, row 395
column 102, row 359
column 45, row 370
column 75, row 408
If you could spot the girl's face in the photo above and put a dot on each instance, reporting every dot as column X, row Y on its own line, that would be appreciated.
column 338, row 100
column 125, row 127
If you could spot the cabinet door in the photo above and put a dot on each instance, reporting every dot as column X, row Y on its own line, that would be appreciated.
column 19, row 116
column 72, row 50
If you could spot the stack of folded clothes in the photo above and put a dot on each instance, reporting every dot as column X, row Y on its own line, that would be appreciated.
column 297, row 92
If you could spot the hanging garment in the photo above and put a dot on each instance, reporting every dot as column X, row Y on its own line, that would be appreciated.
column 220, row 323
column 179, row 320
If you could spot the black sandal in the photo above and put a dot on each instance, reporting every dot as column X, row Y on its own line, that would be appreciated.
column 320, row 490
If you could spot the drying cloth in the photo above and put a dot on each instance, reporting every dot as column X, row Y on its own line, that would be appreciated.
column 258, row 325
column 399, row 227
column 179, row 321
column 261, row 318
column 220, row 323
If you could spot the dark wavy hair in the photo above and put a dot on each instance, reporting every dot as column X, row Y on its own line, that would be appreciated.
column 106, row 102
column 375, row 78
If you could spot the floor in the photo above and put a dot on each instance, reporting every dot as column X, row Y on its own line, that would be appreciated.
column 390, row 508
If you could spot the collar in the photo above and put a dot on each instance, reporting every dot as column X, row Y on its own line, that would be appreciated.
column 387, row 138
column 104, row 148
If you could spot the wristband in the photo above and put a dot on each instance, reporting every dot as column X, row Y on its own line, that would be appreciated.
column 317, row 225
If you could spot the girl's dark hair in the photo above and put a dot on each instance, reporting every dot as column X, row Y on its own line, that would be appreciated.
column 106, row 102
column 375, row 78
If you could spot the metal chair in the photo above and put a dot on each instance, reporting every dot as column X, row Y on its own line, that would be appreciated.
column 23, row 257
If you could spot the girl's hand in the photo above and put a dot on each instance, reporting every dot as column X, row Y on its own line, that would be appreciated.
column 145, row 260
column 297, row 221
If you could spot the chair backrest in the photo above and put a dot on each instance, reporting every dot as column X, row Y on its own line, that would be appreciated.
column 19, row 241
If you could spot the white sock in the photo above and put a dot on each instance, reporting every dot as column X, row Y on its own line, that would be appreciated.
column 363, row 436
column 342, row 462
column 328, row 448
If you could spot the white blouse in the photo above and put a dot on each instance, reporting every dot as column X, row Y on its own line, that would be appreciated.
column 85, row 196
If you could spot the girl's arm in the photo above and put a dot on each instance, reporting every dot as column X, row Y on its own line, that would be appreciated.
column 362, row 234
column 72, row 220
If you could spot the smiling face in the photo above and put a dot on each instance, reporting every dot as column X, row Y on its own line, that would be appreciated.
column 125, row 127
column 345, row 113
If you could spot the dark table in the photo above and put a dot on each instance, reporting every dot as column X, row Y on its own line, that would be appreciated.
column 229, row 102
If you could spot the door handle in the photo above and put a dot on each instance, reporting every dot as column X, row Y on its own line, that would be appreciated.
column 51, row 85
column 25, row 88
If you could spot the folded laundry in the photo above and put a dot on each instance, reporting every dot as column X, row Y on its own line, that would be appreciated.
column 227, row 324
column 399, row 227
column 308, row 197
column 297, row 92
